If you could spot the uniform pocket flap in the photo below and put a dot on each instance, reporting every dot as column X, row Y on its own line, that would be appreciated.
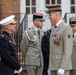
column 58, row 57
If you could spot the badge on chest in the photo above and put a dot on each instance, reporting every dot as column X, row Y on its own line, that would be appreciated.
column 57, row 38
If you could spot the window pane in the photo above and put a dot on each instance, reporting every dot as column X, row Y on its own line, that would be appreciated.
column 58, row 1
column 33, row 9
column 72, row 9
column 27, row 10
column 27, row 2
column 72, row 1
column 47, row 1
column 52, row 1
column 33, row 2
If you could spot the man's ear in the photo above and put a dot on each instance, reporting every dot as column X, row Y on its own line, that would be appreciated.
column 9, row 26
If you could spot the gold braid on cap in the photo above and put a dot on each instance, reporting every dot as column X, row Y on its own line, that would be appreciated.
column 12, row 22
column 72, row 25
column 53, row 9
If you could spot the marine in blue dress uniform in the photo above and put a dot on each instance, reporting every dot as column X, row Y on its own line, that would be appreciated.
column 9, row 62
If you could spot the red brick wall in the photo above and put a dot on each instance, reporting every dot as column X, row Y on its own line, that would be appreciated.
column 10, row 7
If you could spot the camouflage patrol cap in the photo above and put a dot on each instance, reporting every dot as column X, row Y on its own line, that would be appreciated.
column 72, row 21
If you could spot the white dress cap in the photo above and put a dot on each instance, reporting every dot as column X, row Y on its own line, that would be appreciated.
column 7, row 20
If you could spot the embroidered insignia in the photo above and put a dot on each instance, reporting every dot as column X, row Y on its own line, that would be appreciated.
column 69, row 36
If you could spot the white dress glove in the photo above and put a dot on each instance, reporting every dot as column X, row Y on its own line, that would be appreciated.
column 18, row 71
column 49, row 72
column 60, row 72
column 15, row 71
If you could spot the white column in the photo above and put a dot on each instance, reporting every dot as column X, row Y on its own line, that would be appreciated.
column 65, row 4
column 22, row 6
column 22, row 9
column 65, row 9
column 40, row 5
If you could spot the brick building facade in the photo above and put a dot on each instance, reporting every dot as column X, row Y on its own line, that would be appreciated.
column 9, row 7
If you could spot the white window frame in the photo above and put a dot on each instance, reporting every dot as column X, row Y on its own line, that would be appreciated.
column 50, row 2
column 30, row 6
column 72, row 5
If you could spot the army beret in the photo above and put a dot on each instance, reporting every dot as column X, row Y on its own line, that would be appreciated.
column 53, row 8
column 72, row 21
column 8, row 20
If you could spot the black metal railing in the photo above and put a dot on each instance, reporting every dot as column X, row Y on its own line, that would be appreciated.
column 22, row 25
column 68, row 16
